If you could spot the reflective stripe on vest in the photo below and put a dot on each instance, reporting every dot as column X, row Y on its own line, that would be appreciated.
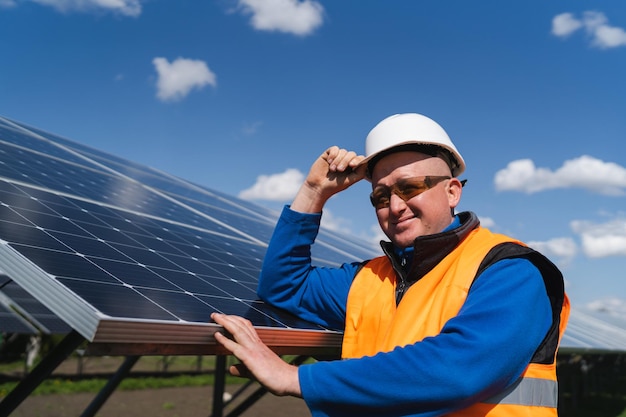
column 528, row 392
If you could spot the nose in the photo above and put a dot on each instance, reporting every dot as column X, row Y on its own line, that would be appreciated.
column 396, row 204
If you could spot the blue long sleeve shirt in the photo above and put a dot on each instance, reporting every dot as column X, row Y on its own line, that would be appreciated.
column 483, row 349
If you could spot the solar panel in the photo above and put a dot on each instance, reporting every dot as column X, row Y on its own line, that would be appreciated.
column 11, row 322
column 589, row 330
column 38, row 315
column 126, row 254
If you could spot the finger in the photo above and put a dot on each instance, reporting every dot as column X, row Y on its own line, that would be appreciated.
column 344, row 161
column 331, row 153
column 356, row 160
column 240, row 370
column 241, row 329
column 228, row 343
column 359, row 170
column 230, row 321
column 334, row 157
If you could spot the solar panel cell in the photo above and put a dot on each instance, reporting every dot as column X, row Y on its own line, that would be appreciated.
column 117, row 300
column 64, row 264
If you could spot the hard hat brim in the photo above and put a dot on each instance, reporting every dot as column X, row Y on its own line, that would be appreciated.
column 454, row 159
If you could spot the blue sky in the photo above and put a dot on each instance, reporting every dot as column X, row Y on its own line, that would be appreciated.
column 242, row 95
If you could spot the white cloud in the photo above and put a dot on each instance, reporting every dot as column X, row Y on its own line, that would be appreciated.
column 124, row 7
column 487, row 222
column 334, row 223
column 6, row 4
column 289, row 16
column 585, row 172
column 377, row 235
column 596, row 25
column 609, row 37
column 276, row 187
column 344, row 225
column 251, row 128
column 602, row 240
column 177, row 79
column 563, row 248
column 612, row 305
column 565, row 24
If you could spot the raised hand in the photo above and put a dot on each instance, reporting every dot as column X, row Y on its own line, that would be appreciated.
column 335, row 170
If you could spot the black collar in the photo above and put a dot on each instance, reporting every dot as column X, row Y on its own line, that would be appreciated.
column 431, row 249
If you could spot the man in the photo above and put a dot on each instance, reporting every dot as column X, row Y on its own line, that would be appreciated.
column 452, row 320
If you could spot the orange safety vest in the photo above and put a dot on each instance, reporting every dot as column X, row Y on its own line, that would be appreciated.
column 375, row 324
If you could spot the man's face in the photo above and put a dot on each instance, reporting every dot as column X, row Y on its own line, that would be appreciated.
column 426, row 213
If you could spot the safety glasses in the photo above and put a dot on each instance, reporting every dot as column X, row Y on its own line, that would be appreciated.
column 406, row 189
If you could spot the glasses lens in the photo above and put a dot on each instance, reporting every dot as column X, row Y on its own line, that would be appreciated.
column 406, row 189
column 411, row 187
column 380, row 197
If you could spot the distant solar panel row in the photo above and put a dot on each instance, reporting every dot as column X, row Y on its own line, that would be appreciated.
column 11, row 322
column 35, row 313
column 110, row 246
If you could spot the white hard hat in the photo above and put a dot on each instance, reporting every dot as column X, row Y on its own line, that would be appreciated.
column 409, row 129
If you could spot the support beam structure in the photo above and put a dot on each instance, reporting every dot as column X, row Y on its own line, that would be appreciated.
column 42, row 371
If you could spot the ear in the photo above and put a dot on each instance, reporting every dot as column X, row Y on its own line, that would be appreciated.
column 454, row 190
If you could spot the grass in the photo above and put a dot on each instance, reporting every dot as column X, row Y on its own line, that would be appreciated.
column 170, row 372
column 93, row 385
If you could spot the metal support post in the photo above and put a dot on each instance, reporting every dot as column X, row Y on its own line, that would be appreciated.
column 110, row 386
column 42, row 371
column 219, row 385
column 259, row 392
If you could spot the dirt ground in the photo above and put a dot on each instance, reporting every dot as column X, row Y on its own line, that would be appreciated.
column 166, row 402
